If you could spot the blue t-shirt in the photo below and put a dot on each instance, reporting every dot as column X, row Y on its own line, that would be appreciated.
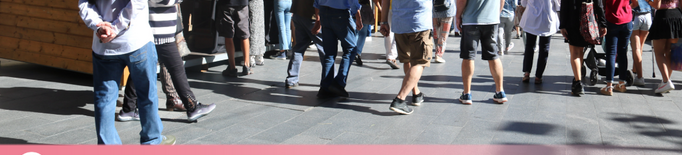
column 353, row 5
column 411, row 16
column 481, row 12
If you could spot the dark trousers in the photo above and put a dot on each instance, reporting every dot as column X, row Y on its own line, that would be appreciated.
column 169, row 58
column 616, row 42
column 543, row 54
column 337, row 26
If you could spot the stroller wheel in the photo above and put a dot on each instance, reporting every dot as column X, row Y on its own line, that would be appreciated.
column 630, row 80
column 593, row 78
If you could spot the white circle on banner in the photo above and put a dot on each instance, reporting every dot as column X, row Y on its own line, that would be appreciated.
column 31, row 153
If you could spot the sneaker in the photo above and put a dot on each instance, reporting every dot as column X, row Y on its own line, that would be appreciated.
column 465, row 98
column 418, row 99
column 400, row 106
column 230, row 72
column 174, row 105
column 439, row 59
column 639, row 82
column 199, row 111
column 128, row 116
column 358, row 60
column 246, row 70
column 259, row 60
column 167, row 140
column 500, row 97
column 621, row 87
column 288, row 86
column 279, row 56
column 338, row 90
column 511, row 45
column 665, row 87
column 392, row 63
column 577, row 88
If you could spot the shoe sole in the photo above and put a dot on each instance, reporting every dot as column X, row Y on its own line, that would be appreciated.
column 400, row 111
column 467, row 102
column 665, row 91
column 500, row 101
column 126, row 119
column 393, row 66
column 192, row 119
column 417, row 103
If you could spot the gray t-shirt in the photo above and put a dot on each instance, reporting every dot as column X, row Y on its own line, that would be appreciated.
column 481, row 12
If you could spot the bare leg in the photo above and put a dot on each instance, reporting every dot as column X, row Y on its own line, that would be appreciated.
column 662, row 59
column 412, row 76
column 467, row 74
column 576, row 61
column 245, row 49
column 229, row 47
column 636, row 41
column 497, row 72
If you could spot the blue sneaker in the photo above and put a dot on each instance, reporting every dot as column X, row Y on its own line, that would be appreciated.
column 465, row 98
column 500, row 97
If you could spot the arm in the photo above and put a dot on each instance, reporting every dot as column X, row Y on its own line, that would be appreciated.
column 377, row 4
column 358, row 20
column 656, row 4
column 524, row 3
column 634, row 4
column 317, row 26
column 461, row 4
column 130, row 11
column 89, row 14
column 599, row 13
column 501, row 5
column 385, row 28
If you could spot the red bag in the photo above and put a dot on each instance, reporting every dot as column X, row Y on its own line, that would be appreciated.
column 588, row 24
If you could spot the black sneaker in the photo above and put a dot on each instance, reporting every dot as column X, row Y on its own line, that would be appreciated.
column 230, row 73
column 246, row 70
column 358, row 60
column 400, row 106
column 199, row 111
column 577, row 88
column 417, row 99
column 323, row 93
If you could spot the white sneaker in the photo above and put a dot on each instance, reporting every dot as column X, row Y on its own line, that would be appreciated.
column 439, row 59
column 511, row 45
column 664, row 87
column 639, row 82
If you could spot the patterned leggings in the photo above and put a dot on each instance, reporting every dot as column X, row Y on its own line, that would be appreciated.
column 441, row 28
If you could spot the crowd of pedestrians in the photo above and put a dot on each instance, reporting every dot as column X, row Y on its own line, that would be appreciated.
column 138, row 34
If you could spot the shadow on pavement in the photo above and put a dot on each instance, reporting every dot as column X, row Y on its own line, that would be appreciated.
column 49, row 101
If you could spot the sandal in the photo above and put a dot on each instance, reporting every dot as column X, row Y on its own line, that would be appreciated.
column 621, row 87
column 526, row 78
column 538, row 80
column 606, row 91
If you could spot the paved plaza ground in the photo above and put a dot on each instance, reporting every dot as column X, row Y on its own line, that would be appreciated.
column 41, row 105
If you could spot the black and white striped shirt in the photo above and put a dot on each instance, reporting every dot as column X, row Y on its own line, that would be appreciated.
column 163, row 19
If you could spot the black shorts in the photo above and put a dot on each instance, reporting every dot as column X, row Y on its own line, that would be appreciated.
column 233, row 21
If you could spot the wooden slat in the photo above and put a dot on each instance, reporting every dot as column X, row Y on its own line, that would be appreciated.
column 8, row 19
column 67, row 52
column 27, row 34
column 73, row 40
column 63, row 4
column 82, row 54
column 9, row 42
column 39, row 11
column 47, row 60
column 53, row 26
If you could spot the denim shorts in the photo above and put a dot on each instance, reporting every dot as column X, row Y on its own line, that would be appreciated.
column 641, row 22
column 472, row 35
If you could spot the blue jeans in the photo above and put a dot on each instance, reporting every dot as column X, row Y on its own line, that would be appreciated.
column 283, row 17
column 107, row 72
column 616, row 43
column 362, row 35
column 337, row 25
column 303, row 38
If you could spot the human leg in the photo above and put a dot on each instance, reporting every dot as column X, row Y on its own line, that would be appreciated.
column 142, row 65
column 543, row 55
column 636, row 44
column 489, row 53
column 528, row 53
column 330, row 48
column 107, row 71
column 469, row 42
column 303, row 38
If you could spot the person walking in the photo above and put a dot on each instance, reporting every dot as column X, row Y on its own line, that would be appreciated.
column 478, row 21
column 504, row 32
column 303, row 11
column 618, row 30
column 122, row 37
column 335, row 19
column 541, row 23
column 389, row 42
column 412, row 30
column 441, row 27
column 641, row 22
column 367, row 15
column 569, row 24
column 232, row 22
column 283, row 17
column 665, row 30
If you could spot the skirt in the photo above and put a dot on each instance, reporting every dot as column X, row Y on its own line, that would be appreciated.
column 667, row 24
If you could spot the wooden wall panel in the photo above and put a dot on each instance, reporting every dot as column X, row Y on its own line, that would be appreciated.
column 47, row 60
column 39, row 11
column 62, row 4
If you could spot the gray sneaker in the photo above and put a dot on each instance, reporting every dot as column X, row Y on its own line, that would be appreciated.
column 167, row 140
column 129, row 116
column 199, row 111
column 417, row 99
column 400, row 106
column 393, row 64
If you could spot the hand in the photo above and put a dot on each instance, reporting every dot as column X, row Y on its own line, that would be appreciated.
column 459, row 22
column 316, row 28
column 358, row 24
column 106, row 34
column 385, row 30
column 564, row 33
column 602, row 32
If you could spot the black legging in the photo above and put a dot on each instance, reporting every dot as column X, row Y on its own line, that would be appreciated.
column 542, row 55
column 169, row 57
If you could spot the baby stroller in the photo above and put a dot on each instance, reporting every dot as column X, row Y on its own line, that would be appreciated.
column 596, row 63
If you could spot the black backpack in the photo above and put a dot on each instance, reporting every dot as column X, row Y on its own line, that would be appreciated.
column 439, row 5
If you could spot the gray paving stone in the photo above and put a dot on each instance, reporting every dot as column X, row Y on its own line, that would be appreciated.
column 353, row 138
column 305, row 139
column 438, row 134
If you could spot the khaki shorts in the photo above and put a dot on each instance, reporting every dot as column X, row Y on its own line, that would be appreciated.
column 415, row 48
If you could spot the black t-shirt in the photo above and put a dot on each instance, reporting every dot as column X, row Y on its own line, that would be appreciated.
column 233, row 2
